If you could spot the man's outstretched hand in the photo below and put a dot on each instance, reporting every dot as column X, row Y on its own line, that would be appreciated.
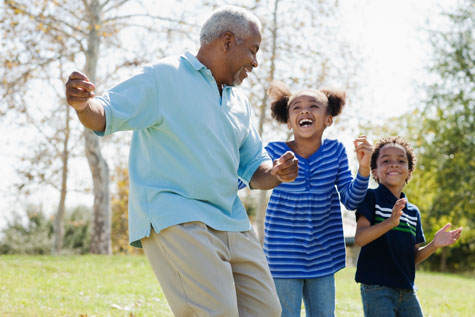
column 79, row 90
column 286, row 168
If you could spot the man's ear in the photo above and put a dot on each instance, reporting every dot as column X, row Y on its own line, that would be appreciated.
column 227, row 39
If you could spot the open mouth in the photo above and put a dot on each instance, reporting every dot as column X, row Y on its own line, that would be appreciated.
column 305, row 122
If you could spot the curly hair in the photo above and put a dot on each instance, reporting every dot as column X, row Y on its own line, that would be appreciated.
column 282, row 97
column 411, row 157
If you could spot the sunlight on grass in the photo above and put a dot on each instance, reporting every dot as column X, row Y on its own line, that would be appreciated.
column 74, row 285
column 117, row 285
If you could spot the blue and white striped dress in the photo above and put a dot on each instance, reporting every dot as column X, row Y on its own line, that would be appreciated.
column 303, row 224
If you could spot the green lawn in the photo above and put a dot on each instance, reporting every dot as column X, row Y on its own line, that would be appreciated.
column 125, row 286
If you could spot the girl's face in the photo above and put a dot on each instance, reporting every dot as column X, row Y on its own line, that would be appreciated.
column 308, row 115
column 392, row 166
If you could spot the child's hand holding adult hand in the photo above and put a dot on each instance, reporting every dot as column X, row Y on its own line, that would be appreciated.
column 286, row 168
column 363, row 151
column 397, row 212
column 444, row 238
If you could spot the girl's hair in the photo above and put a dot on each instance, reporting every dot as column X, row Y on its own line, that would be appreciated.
column 282, row 97
column 411, row 157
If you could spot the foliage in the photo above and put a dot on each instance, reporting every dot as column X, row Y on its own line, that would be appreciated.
column 120, row 200
column 442, row 135
column 449, row 139
column 42, row 41
column 31, row 236
column 77, row 230
column 33, row 233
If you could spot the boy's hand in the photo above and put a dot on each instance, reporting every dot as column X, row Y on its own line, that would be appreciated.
column 397, row 212
column 363, row 151
column 444, row 238
column 79, row 90
column 286, row 168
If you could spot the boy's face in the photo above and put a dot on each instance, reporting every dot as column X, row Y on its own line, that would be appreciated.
column 308, row 115
column 392, row 166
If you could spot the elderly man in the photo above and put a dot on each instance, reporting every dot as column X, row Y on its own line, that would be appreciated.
column 192, row 140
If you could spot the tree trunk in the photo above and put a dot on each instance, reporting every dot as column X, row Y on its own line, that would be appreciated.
column 59, row 219
column 262, row 200
column 101, row 224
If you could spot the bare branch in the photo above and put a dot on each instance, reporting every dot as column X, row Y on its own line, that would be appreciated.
column 153, row 17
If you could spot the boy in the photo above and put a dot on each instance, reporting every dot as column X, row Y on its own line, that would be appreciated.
column 389, row 231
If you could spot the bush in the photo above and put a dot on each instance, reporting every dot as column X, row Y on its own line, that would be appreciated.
column 33, row 234
column 77, row 230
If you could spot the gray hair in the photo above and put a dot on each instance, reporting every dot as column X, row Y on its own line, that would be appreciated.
column 228, row 19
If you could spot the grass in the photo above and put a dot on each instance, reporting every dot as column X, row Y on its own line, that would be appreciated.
column 125, row 286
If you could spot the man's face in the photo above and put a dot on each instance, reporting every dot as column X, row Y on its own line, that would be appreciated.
column 242, row 57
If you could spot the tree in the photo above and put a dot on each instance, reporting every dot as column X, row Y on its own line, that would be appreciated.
column 441, row 133
column 40, row 40
column 449, row 143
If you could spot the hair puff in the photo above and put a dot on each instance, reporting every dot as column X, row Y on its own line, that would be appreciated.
column 336, row 100
column 279, row 94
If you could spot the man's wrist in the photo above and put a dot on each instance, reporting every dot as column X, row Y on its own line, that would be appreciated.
column 82, row 110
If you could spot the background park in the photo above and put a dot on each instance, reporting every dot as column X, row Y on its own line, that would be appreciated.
column 408, row 68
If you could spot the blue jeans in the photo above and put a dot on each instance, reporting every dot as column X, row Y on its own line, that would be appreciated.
column 318, row 296
column 382, row 301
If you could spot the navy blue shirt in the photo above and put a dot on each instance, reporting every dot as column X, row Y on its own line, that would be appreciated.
column 390, row 259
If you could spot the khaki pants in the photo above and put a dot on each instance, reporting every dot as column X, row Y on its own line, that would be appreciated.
column 205, row 272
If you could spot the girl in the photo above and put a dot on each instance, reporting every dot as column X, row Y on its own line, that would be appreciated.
column 303, row 240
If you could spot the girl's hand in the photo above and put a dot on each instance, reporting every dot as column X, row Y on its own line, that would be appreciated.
column 444, row 238
column 397, row 212
column 363, row 151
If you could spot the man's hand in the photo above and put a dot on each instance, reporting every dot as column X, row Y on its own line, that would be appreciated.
column 363, row 151
column 79, row 95
column 286, row 168
column 79, row 90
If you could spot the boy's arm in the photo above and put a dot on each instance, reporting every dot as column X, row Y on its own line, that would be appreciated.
column 268, row 176
column 441, row 239
column 366, row 233
column 79, row 95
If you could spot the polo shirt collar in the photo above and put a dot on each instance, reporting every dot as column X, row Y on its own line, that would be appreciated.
column 388, row 195
column 197, row 65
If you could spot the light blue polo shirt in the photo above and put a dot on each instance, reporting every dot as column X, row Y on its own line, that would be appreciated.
column 189, row 146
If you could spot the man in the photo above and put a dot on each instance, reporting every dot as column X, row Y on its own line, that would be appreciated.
column 192, row 140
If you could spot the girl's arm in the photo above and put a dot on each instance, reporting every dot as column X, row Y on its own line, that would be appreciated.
column 363, row 151
column 352, row 190
column 441, row 239
column 366, row 233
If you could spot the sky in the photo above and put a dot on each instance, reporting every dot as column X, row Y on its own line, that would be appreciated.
column 387, row 33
